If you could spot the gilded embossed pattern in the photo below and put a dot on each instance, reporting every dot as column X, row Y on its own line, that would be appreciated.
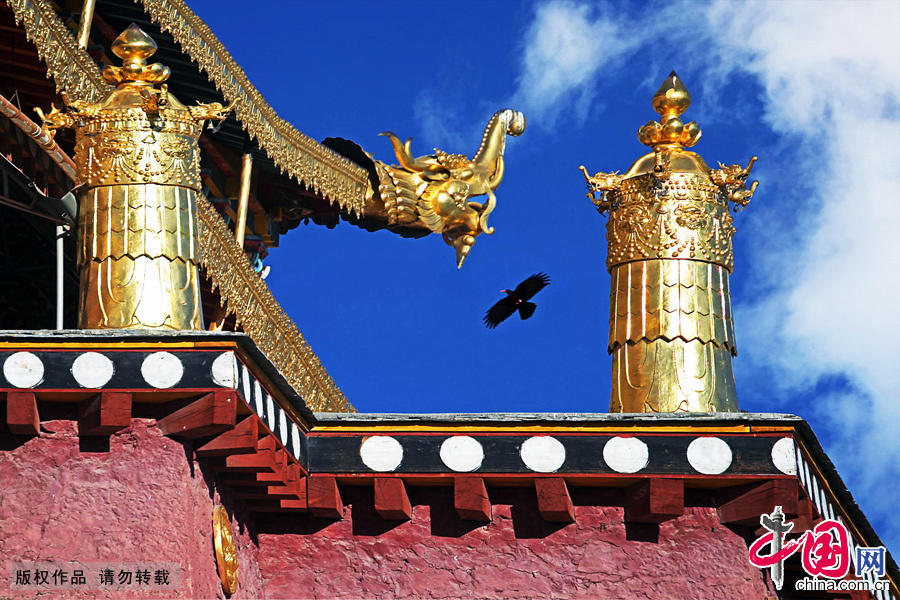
column 684, row 216
column 248, row 297
column 319, row 168
column 125, row 147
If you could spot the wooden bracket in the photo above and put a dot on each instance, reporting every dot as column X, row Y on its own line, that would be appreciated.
column 243, row 439
column 104, row 414
column 471, row 499
column 554, row 500
column 211, row 414
column 654, row 500
column 391, row 499
column 743, row 505
column 323, row 497
column 22, row 413
column 261, row 462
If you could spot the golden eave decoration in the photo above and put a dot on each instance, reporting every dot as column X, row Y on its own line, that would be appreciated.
column 669, row 238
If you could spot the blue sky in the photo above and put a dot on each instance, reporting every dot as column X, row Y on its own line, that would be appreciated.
column 813, row 89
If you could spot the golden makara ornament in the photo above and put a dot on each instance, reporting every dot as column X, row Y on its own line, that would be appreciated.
column 138, row 170
column 437, row 190
column 669, row 239
column 226, row 552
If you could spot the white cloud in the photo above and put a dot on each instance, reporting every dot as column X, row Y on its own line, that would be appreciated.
column 831, row 76
column 565, row 47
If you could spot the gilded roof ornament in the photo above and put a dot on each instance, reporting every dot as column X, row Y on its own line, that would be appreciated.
column 670, row 254
column 670, row 101
column 134, row 47
column 436, row 190
column 138, row 169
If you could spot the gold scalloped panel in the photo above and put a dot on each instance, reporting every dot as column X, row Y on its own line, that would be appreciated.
column 670, row 299
column 663, row 376
column 139, row 220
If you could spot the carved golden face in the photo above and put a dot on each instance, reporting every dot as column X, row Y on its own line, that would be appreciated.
column 177, row 148
column 691, row 217
column 633, row 217
column 117, row 147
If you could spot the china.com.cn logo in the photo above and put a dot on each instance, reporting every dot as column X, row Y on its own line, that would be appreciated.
column 825, row 553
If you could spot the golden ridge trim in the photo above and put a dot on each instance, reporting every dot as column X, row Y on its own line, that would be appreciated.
column 70, row 66
column 320, row 168
column 245, row 294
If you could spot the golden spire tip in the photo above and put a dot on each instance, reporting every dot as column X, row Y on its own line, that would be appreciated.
column 672, row 97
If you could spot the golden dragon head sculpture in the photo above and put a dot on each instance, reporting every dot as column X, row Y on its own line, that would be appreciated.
column 437, row 190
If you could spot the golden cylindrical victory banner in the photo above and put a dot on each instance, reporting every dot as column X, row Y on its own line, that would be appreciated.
column 138, row 170
column 669, row 239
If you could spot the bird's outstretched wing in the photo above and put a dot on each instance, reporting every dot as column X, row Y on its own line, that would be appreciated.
column 499, row 312
column 532, row 286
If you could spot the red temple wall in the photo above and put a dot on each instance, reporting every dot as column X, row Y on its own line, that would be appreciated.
column 517, row 555
column 141, row 499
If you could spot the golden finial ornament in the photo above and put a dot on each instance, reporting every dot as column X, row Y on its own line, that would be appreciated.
column 669, row 240
column 138, row 169
column 226, row 551
column 436, row 190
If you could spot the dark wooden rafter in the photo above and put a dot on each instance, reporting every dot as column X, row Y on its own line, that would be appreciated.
column 392, row 499
column 554, row 501
column 323, row 497
column 471, row 500
column 104, row 414
column 263, row 461
column 243, row 439
column 654, row 500
column 742, row 505
column 22, row 416
column 209, row 414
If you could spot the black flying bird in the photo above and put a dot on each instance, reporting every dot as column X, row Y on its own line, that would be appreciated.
column 517, row 299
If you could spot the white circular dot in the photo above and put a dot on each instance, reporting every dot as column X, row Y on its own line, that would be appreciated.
column 282, row 426
column 245, row 386
column 162, row 370
column 626, row 454
column 92, row 370
column 709, row 455
column 23, row 370
column 295, row 440
column 224, row 370
column 270, row 408
column 543, row 454
column 381, row 453
column 783, row 456
column 462, row 453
